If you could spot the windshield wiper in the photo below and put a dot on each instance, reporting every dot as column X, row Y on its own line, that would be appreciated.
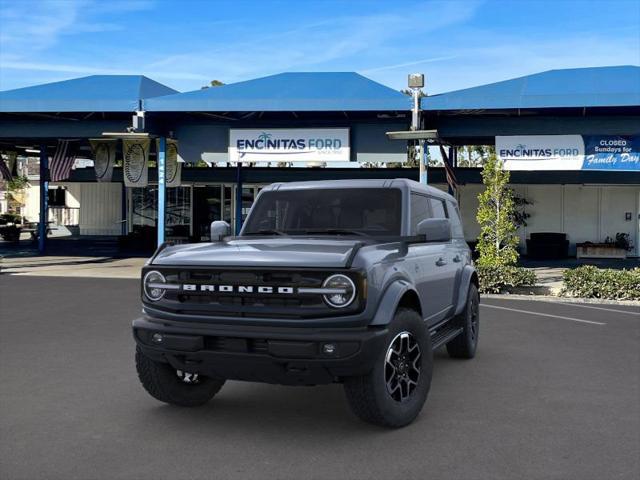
column 335, row 231
column 266, row 232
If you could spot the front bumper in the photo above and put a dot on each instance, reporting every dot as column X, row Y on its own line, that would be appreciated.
column 282, row 355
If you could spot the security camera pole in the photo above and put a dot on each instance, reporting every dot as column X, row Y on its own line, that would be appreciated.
column 416, row 83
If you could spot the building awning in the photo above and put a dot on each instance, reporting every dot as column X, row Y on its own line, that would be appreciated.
column 617, row 86
column 96, row 93
column 288, row 92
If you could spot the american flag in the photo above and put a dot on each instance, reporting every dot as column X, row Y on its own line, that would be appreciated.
column 5, row 173
column 62, row 161
column 451, row 176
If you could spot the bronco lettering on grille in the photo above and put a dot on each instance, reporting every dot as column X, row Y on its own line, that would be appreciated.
column 193, row 287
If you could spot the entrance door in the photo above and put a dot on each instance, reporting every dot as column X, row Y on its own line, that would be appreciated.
column 249, row 194
column 210, row 203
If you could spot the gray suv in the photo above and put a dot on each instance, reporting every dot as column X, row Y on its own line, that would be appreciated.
column 354, row 281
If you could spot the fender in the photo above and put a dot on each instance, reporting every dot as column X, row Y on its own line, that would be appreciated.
column 390, row 300
column 463, row 288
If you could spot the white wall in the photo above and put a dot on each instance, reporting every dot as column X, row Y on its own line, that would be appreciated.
column 31, row 208
column 583, row 212
column 100, row 208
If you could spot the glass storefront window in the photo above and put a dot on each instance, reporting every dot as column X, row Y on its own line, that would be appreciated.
column 144, row 210
column 178, row 218
column 144, row 207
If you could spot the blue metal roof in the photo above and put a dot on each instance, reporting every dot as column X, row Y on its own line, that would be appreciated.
column 96, row 93
column 299, row 92
column 577, row 87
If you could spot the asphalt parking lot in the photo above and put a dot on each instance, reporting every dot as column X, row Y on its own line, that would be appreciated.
column 554, row 393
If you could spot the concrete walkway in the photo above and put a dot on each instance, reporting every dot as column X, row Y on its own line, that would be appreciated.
column 549, row 275
column 55, row 266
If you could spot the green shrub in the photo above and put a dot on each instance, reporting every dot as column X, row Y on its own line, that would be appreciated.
column 495, row 278
column 592, row 282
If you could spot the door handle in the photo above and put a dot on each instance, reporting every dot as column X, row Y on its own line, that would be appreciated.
column 441, row 262
column 457, row 259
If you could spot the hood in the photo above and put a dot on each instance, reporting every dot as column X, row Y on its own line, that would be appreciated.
column 261, row 252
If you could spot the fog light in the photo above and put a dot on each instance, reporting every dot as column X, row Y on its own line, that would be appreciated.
column 156, row 338
column 329, row 348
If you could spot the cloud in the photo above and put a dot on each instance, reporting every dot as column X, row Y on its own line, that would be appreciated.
column 30, row 27
column 511, row 56
column 409, row 64
column 89, row 70
column 343, row 40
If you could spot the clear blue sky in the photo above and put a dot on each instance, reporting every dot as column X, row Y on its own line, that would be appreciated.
column 184, row 44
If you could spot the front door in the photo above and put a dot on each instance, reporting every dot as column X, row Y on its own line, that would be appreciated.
column 249, row 194
column 210, row 203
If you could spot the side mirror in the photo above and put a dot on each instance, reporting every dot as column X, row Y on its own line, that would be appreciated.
column 435, row 229
column 219, row 230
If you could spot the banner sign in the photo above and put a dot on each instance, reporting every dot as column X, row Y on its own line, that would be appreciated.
column 136, row 162
column 173, row 167
column 610, row 152
column 569, row 152
column 104, row 157
column 541, row 152
column 289, row 145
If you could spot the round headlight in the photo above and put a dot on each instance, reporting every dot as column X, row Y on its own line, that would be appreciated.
column 342, row 293
column 151, row 289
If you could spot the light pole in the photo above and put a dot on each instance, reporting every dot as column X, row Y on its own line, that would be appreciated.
column 416, row 83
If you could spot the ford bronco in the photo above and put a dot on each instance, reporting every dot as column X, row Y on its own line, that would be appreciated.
column 354, row 281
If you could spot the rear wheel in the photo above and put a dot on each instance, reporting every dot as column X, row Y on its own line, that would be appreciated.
column 465, row 344
column 393, row 393
column 172, row 386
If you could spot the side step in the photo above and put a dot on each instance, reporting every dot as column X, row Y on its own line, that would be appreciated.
column 444, row 335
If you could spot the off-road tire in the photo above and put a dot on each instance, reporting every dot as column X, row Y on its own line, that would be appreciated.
column 465, row 344
column 368, row 396
column 162, row 383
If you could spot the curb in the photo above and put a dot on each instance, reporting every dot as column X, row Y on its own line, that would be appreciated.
column 556, row 299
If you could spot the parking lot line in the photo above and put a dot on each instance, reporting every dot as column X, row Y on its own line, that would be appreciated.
column 530, row 312
column 597, row 308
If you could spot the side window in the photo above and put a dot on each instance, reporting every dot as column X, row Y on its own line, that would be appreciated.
column 419, row 210
column 438, row 208
column 456, row 223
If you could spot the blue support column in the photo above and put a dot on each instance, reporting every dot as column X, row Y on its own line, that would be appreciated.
column 123, row 209
column 424, row 158
column 44, row 199
column 238, row 197
column 162, row 190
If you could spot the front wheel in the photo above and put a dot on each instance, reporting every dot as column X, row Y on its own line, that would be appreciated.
column 393, row 393
column 172, row 386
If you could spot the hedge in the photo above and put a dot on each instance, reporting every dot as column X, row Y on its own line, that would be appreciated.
column 591, row 282
column 494, row 279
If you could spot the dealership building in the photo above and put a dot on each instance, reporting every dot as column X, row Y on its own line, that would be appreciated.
column 571, row 139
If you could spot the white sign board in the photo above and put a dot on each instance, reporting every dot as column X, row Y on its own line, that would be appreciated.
column 289, row 145
column 541, row 152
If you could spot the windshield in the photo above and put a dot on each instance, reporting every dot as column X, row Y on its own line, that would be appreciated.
column 364, row 211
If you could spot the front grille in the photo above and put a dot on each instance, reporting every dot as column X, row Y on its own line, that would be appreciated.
column 257, row 305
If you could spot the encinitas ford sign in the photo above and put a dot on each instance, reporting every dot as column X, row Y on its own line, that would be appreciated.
column 569, row 152
column 541, row 152
column 289, row 145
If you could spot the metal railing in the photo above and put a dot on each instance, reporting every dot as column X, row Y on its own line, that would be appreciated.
column 64, row 215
